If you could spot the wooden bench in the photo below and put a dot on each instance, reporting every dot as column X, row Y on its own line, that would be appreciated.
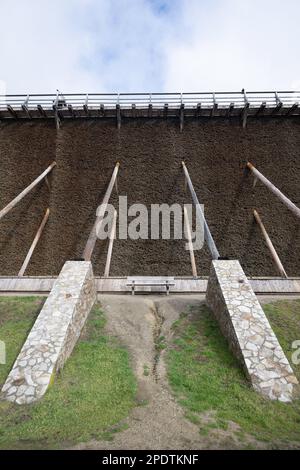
column 150, row 281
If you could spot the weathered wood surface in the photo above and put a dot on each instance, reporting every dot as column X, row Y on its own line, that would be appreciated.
column 270, row 245
column 110, row 245
column 27, row 190
column 285, row 200
column 90, row 245
column 34, row 243
column 207, row 234
column 190, row 243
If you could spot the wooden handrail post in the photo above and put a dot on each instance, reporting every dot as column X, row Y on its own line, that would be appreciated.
column 34, row 243
column 190, row 243
column 20, row 196
column 207, row 234
column 285, row 200
column 270, row 245
column 110, row 245
column 90, row 244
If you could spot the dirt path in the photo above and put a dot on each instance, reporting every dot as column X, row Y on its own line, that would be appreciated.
column 139, row 322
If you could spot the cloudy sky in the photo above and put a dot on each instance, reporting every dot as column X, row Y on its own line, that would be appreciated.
column 149, row 45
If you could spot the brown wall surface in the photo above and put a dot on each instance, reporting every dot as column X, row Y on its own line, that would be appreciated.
column 150, row 154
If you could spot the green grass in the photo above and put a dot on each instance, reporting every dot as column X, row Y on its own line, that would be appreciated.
column 90, row 397
column 212, row 387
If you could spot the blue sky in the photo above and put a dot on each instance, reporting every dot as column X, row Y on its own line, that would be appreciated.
column 148, row 45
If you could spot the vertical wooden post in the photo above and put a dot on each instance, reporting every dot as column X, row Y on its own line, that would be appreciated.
column 34, row 243
column 286, row 201
column 17, row 199
column 189, row 237
column 110, row 245
column 90, row 245
column 270, row 245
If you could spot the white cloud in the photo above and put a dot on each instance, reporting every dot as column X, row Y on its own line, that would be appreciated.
column 148, row 45
column 231, row 44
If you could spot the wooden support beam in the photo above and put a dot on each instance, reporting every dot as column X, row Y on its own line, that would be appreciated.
column 150, row 109
column 118, row 115
column 207, row 234
column 133, row 110
column 110, row 245
column 198, row 110
column 20, row 196
column 286, row 201
column 279, row 104
column 261, row 109
column 230, row 109
column 90, row 245
column 214, row 109
column 270, row 245
column 245, row 114
column 34, row 243
column 166, row 110
column 181, row 116
column 12, row 112
column 292, row 109
column 102, row 110
column 189, row 237
column 41, row 111
column 71, row 110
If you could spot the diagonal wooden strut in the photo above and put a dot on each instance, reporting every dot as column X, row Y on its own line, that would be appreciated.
column 110, row 245
column 90, row 244
column 270, row 245
column 207, row 234
column 34, row 243
column 285, row 200
column 20, row 196
column 189, row 237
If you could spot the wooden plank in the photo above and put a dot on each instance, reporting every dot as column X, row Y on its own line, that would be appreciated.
column 191, row 248
column 110, row 245
column 285, row 200
column 207, row 234
column 34, row 243
column 90, row 245
column 270, row 245
column 20, row 196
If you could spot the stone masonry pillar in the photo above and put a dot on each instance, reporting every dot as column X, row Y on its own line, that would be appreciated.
column 248, row 331
column 53, row 335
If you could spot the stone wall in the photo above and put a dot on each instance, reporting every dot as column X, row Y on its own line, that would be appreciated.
column 53, row 335
column 248, row 331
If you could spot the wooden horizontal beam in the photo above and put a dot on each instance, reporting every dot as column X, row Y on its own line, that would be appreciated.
column 20, row 196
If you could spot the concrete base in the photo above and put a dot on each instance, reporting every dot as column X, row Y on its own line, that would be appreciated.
column 249, row 333
column 53, row 335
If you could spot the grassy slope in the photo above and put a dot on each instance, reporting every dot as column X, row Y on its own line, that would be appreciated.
column 206, row 377
column 95, row 390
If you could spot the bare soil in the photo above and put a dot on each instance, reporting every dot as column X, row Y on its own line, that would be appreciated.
column 159, row 422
